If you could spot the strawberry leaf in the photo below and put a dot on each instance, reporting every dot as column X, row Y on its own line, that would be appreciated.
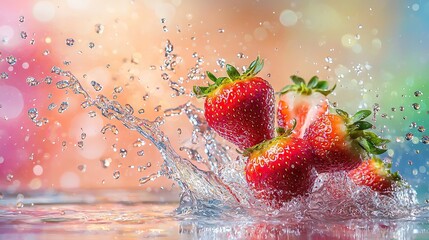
column 375, row 139
column 313, row 82
column 211, row 76
column 343, row 114
column 232, row 72
column 363, row 143
column 322, row 85
column 297, row 80
column 200, row 91
column 361, row 125
column 360, row 115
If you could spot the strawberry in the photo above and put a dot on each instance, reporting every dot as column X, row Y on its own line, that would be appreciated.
column 340, row 142
column 302, row 102
column 375, row 174
column 240, row 108
column 280, row 169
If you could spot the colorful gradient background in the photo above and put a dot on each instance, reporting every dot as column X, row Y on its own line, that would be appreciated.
column 376, row 52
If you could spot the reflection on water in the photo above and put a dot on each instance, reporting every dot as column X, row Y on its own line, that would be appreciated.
column 129, row 215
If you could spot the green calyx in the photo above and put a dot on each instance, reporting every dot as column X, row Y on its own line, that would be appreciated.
column 233, row 75
column 303, row 88
column 281, row 133
column 385, row 169
column 358, row 131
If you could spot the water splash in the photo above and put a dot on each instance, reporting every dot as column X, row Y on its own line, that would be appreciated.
column 222, row 188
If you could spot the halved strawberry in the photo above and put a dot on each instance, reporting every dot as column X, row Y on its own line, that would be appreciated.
column 302, row 102
column 376, row 174
column 342, row 142
column 280, row 169
column 240, row 107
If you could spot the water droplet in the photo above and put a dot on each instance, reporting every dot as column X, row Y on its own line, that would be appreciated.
column 31, row 81
column 179, row 131
column 64, row 143
column 52, row 106
column 70, row 42
column 151, row 177
column 168, row 47
column 63, row 107
column 83, row 136
column 105, row 163
column 91, row 45
column 123, row 152
column 46, row 53
column 80, row 144
column 24, row 35
column 99, row 28
column 4, row 75
column 409, row 136
column 165, row 29
column 165, row 77
column 11, row 60
column 141, row 111
column 140, row 153
column 413, row 125
column 21, row 19
column 416, row 106
column 97, row 87
column 82, row 168
column 157, row 108
column 9, row 177
column 220, row 30
column 48, row 80
column 19, row 205
column 33, row 113
column 401, row 108
column 163, row 20
column 421, row 129
column 221, row 62
column 85, row 104
column 425, row 140
column 138, row 143
column 118, row 89
column 418, row 93
column 92, row 114
column 63, row 84
column 110, row 127
column 328, row 59
column 116, row 174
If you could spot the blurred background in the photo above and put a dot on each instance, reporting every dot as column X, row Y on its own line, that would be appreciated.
column 375, row 51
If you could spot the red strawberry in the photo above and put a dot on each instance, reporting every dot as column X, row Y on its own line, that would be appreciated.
column 302, row 103
column 280, row 169
column 375, row 174
column 240, row 108
column 340, row 142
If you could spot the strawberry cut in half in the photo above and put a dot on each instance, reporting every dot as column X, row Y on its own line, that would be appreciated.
column 377, row 175
column 302, row 101
column 340, row 142
column 280, row 169
column 240, row 107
